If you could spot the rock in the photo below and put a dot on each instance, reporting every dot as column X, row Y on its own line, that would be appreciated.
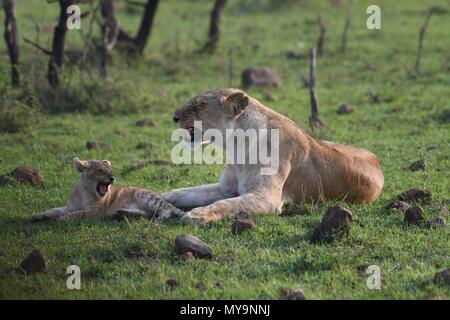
column 33, row 263
column 436, row 222
column 242, row 223
column 259, row 77
column 146, row 123
column 415, row 195
column 294, row 294
column 337, row 218
column 144, row 145
column 420, row 165
column 218, row 283
column 137, row 164
column 399, row 205
column 96, row 145
column 161, row 162
column 345, row 109
column 187, row 242
column 187, row 256
column 26, row 175
column 270, row 97
column 414, row 215
column 122, row 133
column 201, row 286
column 442, row 276
column 336, row 222
column 173, row 282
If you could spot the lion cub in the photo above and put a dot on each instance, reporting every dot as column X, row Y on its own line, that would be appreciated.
column 93, row 196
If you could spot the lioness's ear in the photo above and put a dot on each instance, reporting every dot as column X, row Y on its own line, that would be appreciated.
column 107, row 162
column 236, row 103
column 80, row 165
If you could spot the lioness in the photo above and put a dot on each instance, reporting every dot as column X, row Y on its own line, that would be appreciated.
column 94, row 197
column 309, row 169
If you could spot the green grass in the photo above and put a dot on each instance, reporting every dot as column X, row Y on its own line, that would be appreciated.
column 134, row 260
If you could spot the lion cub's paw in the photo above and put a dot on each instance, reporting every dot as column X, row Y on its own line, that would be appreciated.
column 170, row 213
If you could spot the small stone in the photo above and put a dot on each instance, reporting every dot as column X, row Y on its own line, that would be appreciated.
column 137, row 164
column 420, row 165
column 218, row 283
column 414, row 215
column 144, row 145
column 294, row 294
column 442, row 276
column 399, row 205
column 241, row 225
column 161, row 162
column 270, row 97
column 259, row 77
column 201, row 286
column 436, row 222
column 337, row 218
column 27, row 175
column 146, row 123
column 187, row 256
column 96, row 145
column 415, row 195
column 121, row 133
column 336, row 222
column 33, row 263
column 187, row 242
column 345, row 109
column 173, row 282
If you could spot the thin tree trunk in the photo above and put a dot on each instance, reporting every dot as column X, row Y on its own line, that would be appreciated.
column 12, row 39
column 423, row 30
column 57, row 56
column 321, row 41
column 314, row 121
column 146, row 25
column 348, row 20
column 110, row 30
column 214, row 27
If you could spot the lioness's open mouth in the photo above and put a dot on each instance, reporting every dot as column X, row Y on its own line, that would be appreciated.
column 102, row 188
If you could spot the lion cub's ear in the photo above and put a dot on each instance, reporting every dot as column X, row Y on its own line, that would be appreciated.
column 236, row 103
column 80, row 165
column 107, row 162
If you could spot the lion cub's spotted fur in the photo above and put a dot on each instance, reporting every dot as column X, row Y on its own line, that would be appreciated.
column 93, row 196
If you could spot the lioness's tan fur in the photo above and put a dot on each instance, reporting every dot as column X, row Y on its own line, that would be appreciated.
column 309, row 169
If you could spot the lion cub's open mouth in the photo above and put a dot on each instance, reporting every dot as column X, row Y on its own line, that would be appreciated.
column 102, row 188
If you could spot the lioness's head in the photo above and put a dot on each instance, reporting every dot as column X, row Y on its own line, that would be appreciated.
column 216, row 109
column 95, row 175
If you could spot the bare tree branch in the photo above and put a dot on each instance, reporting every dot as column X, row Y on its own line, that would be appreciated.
column 12, row 39
column 348, row 20
column 214, row 27
column 57, row 55
column 37, row 46
column 314, row 120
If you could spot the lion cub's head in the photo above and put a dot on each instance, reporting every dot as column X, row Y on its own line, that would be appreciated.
column 216, row 109
column 95, row 175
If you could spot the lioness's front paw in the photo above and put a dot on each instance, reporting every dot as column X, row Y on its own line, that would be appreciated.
column 195, row 216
